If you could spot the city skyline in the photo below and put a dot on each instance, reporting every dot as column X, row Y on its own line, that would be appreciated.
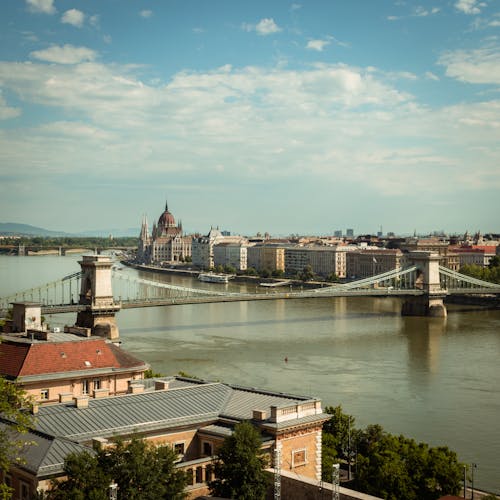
column 285, row 117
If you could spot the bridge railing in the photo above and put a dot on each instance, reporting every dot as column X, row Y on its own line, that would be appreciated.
column 453, row 280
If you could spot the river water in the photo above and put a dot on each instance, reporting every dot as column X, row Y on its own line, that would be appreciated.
column 434, row 380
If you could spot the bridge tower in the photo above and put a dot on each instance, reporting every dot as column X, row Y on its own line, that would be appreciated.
column 96, row 295
column 431, row 302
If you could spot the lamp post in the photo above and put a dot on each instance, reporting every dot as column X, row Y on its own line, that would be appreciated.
column 113, row 491
column 472, row 467
column 465, row 481
column 335, row 481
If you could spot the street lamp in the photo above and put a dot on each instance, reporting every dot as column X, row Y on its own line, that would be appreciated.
column 113, row 491
column 465, row 481
column 472, row 466
column 335, row 481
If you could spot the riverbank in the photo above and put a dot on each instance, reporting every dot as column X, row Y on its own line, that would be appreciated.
column 240, row 278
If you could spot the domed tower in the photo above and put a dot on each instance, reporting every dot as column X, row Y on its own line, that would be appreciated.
column 166, row 220
column 169, row 244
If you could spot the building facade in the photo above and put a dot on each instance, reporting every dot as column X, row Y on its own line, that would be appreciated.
column 191, row 416
column 266, row 256
column 166, row 244
column 231, row 254
column 370, row 262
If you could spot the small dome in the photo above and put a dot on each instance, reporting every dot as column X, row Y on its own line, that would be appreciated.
column 166, row 219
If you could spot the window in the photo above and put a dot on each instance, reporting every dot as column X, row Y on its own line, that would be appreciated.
column 207, row 448
column 85, row 386
column 299, row 457
column 179, row 449
column 97, row 383
column 25, row 491
column 44, row 394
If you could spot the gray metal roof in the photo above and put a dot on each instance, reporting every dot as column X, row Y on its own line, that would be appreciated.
column 186, row 402
column 134, row 412
column 243, row 401
column 45, row 454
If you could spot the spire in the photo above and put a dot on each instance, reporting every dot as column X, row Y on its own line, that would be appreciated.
column 166, row 206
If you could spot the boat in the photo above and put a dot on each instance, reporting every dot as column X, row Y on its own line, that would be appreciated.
column 214, row 278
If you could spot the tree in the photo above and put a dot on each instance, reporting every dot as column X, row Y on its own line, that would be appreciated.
column 85, row 479
column 307, row 273
column 397, row 467
column 13, row 406
column 338, row 439
column 140, row 470
column 239, row 466
column 391, row 467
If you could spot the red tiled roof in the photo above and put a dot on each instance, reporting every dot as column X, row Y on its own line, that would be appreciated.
column 12, row 356
column 24, row 359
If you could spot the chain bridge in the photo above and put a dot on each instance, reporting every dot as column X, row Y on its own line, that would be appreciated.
column 100, row 286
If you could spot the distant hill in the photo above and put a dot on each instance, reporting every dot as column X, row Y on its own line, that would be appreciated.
column 15, row 229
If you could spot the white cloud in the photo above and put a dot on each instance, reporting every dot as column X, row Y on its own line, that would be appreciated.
column 42, row 6
column 74, row 17
column 318, row 45
column 471, row 7
column 473, row 66
column 94, row 20
column 431, row 76
column 66, row 54
column 418, row 11
column 146, row 13
column 264, row 27
column 349, row 125
column 7, row 112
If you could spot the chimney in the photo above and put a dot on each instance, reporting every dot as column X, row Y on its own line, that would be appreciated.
column 259, row 415
column 65, row 397
column 161, row 385
column 81, row 401
column 34, row 408
column 135, row 388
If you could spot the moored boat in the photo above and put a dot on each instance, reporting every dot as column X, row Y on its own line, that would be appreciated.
column 214, row 278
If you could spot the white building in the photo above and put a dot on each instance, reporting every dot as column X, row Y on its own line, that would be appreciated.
column 230, row 254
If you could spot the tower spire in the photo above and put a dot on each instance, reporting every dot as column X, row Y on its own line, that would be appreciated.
column 166, row 206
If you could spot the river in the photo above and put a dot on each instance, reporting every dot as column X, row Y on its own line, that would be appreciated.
column 434, row 380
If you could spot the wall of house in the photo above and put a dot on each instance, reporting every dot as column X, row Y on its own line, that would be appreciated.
column 301, row 452
column 46, row 391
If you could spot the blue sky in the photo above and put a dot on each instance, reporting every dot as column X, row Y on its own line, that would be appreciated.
column 286, row 117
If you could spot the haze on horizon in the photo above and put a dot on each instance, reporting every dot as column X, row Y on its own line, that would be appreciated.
column 286, row 117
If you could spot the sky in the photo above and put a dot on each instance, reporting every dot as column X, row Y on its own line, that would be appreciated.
column 280, row 116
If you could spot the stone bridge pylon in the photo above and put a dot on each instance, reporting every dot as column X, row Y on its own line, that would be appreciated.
column 96, row 294
column 431, row 302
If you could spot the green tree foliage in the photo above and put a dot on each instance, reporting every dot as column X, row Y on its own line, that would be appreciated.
column 337, row 441
column 141, row 471
column 306, row 274
column 13, row 406
column 85, row 479
column 392, row 467
column 149, row 373
column 42, row 242
column 265, row 273
column 490, row 273
column 239, row 467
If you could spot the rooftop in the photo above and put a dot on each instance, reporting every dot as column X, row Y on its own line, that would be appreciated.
column 24, row 357
column 185, row 402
